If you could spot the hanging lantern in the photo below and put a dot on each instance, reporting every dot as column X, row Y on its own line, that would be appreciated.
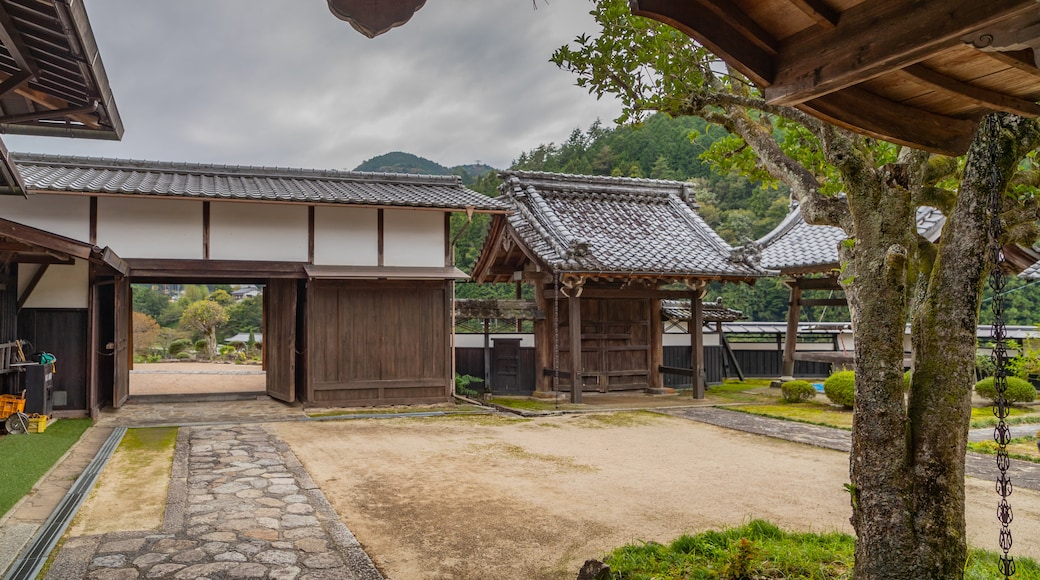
column 374, row 17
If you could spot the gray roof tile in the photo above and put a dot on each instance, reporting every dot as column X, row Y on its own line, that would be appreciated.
column 796, row 245
column 581, row 223
column 46, row 173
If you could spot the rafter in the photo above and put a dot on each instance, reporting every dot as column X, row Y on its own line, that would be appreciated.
column 978, row 95
column 714, row 32
column 874, row 37
column 819, row 11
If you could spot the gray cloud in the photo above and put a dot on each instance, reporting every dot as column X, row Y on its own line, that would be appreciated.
column 272, row 82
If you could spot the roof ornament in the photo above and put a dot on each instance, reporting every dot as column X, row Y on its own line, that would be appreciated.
column 374, row 18
column 1008, row 38
column 578, row 248
column 749, row 253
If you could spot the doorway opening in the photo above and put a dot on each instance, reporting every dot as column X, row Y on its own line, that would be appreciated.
column 197, row 342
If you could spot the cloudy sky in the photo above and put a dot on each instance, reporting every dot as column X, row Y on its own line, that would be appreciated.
column 284, row 82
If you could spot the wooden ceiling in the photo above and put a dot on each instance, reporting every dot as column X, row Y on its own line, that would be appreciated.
column 915, row 72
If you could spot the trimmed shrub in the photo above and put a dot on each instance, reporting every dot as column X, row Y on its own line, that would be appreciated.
column 178, row 346
column 797, row 391
column 182, row 356
column 1018, row 390
column 840, row 388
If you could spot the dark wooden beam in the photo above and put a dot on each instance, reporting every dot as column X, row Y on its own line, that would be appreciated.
column 93, row 220
column 696, row 326
column 980, row 96
column 574, row 308
column 310, row 234
column 819, row 11
column 827, row 283
column 15, row 82
column 205, row 230
column 42, row 239
column 865, row 112
column 213, row 269
column 714, row 32
column 379, row 235
column 33, row 283
column 875, row 37
column 742, row 23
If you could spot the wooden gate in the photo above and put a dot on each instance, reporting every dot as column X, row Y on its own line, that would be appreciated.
column 121, row 355
column 280, row 338
column 506, row 365
column 378, row 343
column 615, row 343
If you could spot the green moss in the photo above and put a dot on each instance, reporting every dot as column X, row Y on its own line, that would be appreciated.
column 622, row 419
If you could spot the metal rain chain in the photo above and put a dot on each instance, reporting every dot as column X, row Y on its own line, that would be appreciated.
column 1001, row 433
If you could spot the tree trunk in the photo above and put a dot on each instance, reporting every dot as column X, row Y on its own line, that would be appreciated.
column 874, row 277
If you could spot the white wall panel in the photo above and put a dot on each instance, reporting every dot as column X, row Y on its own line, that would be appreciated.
column 65, row 215
column 60, row 287
column 150, row 228
column 413, row 238
column 346, row 236
column 255, row 231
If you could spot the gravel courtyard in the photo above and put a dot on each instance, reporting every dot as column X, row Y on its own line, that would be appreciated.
column 489, row 497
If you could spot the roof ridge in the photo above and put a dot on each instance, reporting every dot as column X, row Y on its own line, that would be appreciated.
column 215, row 169
column 660, row 186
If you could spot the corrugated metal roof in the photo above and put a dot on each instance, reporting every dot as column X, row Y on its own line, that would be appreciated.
column 619, row 226
column 47, row 173
column 796, row 245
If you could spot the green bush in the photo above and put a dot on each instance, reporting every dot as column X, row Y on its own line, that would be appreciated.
column 840, row 388
column 182, row 356
column 462, row 383
column 178, row 346
column 797, row 391
column 1018, row 390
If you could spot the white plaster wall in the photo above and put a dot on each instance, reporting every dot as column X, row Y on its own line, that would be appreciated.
column 673, row 339
column 65, row 215
column 150, row 228
column 477, row 340
column 346, row 236
column 256, row 231
column 61, row 286
column 413, row 238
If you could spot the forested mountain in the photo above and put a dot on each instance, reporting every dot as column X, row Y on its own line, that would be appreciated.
column 401, row 162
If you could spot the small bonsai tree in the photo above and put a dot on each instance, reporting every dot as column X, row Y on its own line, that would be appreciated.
column 797, row 391
column 840, row 388
column 1018, row 390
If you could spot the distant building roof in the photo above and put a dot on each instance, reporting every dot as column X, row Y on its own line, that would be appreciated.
column 50, row 173
column 244, row 337
column 679, row 311
column 609, row 227
column 795, row 247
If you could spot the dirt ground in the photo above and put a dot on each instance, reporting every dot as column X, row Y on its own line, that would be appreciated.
column 481, row 498
column 178, row 378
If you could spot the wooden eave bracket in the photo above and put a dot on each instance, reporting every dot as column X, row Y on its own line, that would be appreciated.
column 374, row 18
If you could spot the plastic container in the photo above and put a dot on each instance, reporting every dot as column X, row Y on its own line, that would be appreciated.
column 38, row 424
column 10, row 404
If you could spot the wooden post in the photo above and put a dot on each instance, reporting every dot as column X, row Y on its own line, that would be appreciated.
column 791, row 343
column 697, row 342
column 656, row 358
column 487, row 353
column 543, row 339
column 574, row 306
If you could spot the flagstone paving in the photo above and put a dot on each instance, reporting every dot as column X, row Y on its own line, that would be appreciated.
column 240, row 506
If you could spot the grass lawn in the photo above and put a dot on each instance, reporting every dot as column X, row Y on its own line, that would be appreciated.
column 984, row 417
column 25, row 458
column 530, row 404
column 1018, row 448
column 741, row 391
column 761, row 550
column 809, row 412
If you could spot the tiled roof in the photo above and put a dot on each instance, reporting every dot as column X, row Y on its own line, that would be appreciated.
column 796, row 245
column 46, row 173
column 613, row 225
column 679, row 311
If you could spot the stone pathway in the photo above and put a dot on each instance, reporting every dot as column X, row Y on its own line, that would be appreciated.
column 1024, row 474
column 240, row 505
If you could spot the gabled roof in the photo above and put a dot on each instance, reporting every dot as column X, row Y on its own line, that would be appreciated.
column 795, row 247
column 50, row 61
column 49, row 174
column 608, row 227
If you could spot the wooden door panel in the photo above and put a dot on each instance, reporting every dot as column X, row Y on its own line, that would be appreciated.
column 280, row 338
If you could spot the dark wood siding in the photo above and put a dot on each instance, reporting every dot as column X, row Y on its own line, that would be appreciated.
column 63, row 333
column 377, row 343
